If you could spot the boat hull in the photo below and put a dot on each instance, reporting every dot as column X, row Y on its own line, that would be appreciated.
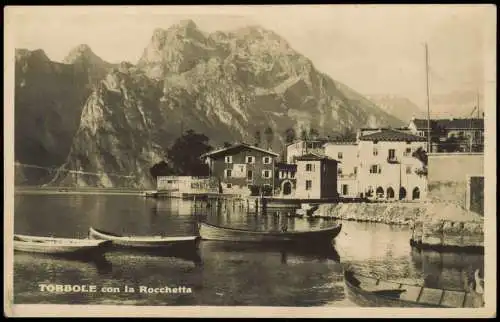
column 59, row 246
column 144, row 242
column 209, row 232
column 370, row 293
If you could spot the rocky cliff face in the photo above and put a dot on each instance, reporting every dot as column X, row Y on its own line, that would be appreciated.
column 225, row 85
column 49, row 97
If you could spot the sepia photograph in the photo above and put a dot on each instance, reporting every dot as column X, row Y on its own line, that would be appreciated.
column 250, row 161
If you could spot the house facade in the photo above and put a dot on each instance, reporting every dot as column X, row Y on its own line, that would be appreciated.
column 243, row 168
column 346, row 153
column 316, row 177
column 451, row 135
column 387, row 168
column 285, row 180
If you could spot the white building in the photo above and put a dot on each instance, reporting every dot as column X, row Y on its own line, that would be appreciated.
column 187, row 184
column 387, row 169
column 346, row 153
column 316, row 177
column 301, row 147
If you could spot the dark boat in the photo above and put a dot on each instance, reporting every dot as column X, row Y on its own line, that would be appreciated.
column 144, row 241
column 212, row 232
column 58, row 246
column 369, row 291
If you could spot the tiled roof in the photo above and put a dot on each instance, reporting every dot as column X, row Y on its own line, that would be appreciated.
column 342, row 142
column 391, row 135
column 314, row 157
column 238, row 146
column 450, row 124
column 286, row 166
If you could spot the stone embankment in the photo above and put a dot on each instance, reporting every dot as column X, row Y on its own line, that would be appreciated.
column 433, row 225
column 387, row 213
column 447, row 226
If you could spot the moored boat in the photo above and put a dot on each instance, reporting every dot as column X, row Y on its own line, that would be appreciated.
column 58, row 246
column 144, row 241
column 212, row 232
column 370, row 291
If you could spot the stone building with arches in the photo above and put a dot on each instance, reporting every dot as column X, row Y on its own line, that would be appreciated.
column 387, row 169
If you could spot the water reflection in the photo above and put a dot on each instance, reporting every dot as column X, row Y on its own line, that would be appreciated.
column 447, row 270
column 219, row 273
column 288, row 253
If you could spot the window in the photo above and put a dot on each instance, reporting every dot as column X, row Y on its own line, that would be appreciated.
column 266, row 174
column 339, row 172
column 249, row 175
column 309, row 167
column 392, row 154
column 375, row 151
column 407, row 152
column 308, row 184
column 228, row 185
column 355, row 170
column 292, row 174
column 283, row 174
column 339, row 155
column 250, row 159
column 375, row 169
column 345, row 189
column 266, row 160
column 228, row 159
column 227, row 173
column 408, row 169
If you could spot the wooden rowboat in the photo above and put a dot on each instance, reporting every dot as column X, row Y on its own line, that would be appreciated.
column 212, row 232
column 372, row 292
column 144, row 241
column 57, row 246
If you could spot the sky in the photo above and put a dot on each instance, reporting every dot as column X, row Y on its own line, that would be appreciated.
column 374, row 49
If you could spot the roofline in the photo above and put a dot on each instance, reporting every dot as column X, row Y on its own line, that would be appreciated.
column 415, row 138
column 316, row 159
column 238, row 145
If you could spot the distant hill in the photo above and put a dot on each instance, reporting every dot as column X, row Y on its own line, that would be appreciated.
column 401, row 107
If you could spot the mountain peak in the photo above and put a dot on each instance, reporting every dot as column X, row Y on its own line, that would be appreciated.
column 26, row 53
column 82, row 53
column 187, row 24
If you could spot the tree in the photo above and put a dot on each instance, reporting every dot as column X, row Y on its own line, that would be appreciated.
column 421, row 155
column 258, row 138
column 160, row 169
column 451, row 144
column 313, row 133
column 269, row 136
column 290, row 135
column 348, row 134
column 185, row 153
column 303, row 134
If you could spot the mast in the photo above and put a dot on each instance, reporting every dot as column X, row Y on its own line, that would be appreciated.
column 428, row 107
column 477, row 103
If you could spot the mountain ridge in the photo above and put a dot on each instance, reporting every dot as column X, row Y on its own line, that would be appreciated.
column 227, row 85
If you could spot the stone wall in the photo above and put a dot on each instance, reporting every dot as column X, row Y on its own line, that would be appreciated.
column 447, row 225
column 449, row 175
column 387, row 212
column 431, row 224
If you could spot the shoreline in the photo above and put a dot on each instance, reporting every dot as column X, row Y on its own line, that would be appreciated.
column 73, row 191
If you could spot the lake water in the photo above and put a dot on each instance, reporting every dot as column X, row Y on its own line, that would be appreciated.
column 220, row 273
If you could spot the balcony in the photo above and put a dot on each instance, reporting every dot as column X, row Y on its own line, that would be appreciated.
column 392, row 159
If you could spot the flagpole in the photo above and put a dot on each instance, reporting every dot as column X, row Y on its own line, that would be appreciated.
column 428, row 104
